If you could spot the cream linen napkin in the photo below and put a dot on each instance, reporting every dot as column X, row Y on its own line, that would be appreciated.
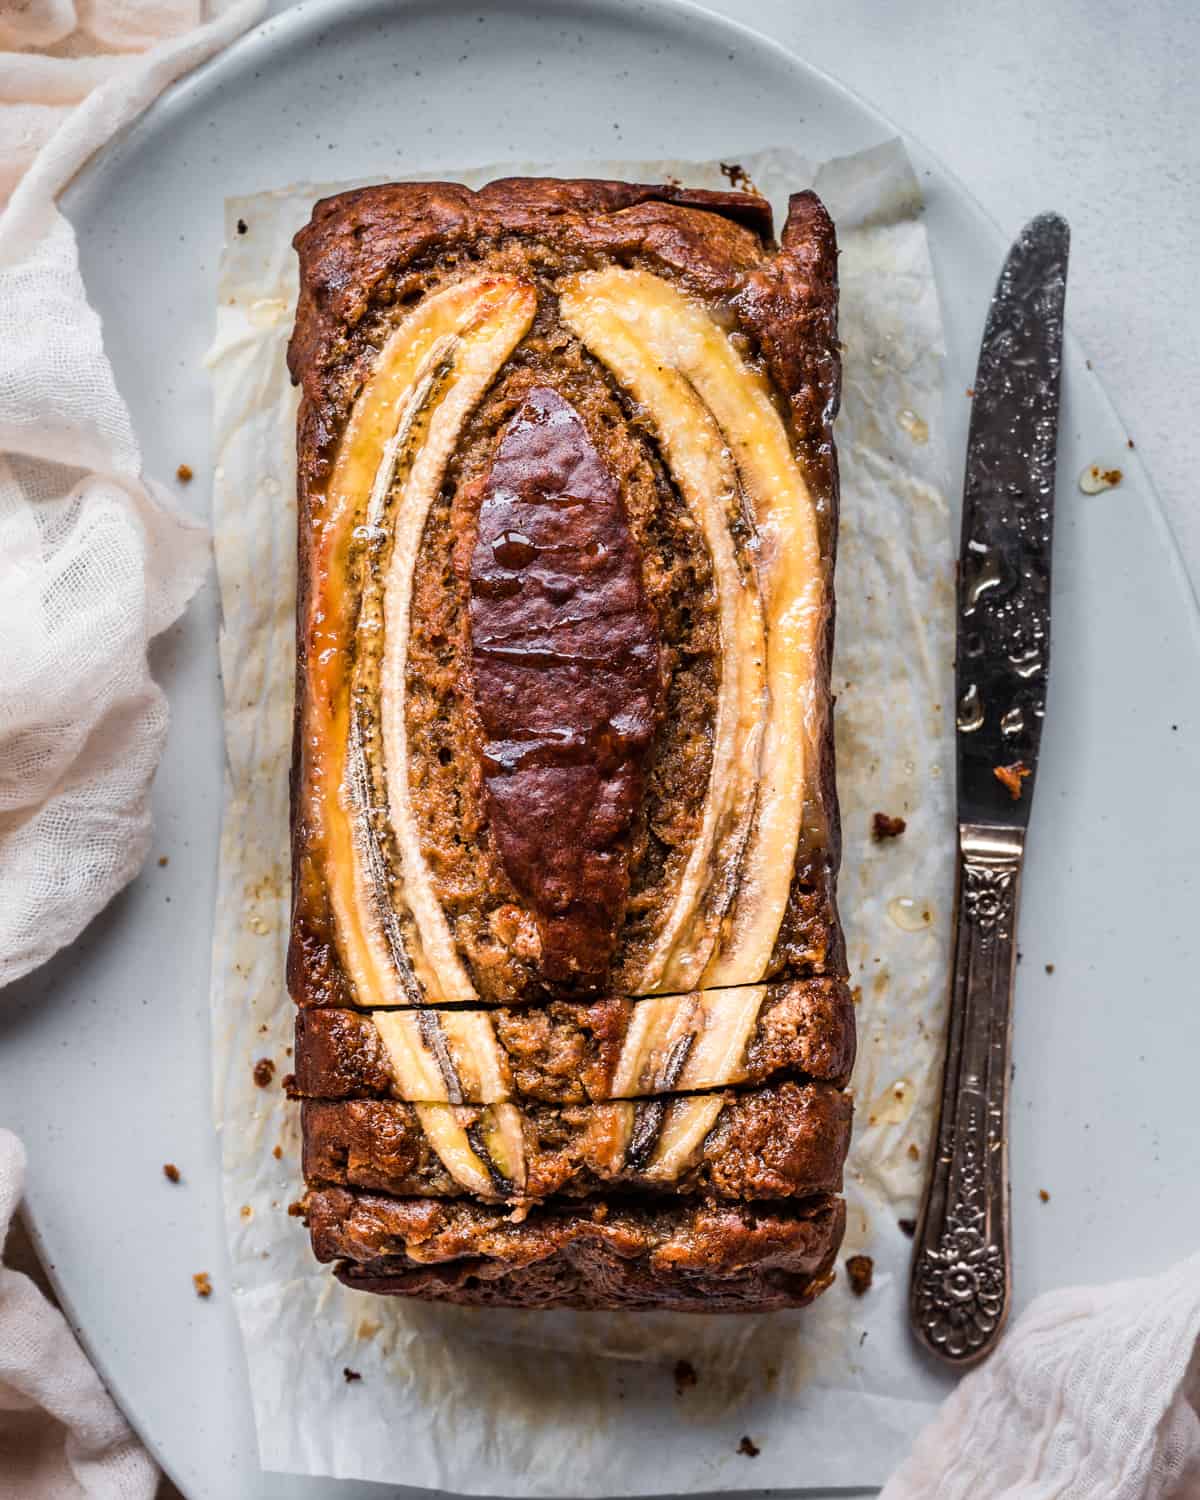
column 60, row 1434
column 1092, row 1396
column 94, row 561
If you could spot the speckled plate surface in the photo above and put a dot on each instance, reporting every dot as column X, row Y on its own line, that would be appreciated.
column 104, row 1054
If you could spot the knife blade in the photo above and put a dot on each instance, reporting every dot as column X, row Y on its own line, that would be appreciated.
column 1008, row 510
column 961, row 1275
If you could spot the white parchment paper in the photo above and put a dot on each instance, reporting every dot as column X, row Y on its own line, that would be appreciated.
column 575, row 1404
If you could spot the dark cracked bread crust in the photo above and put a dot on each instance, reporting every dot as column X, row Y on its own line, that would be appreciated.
column 683, row 1256
column 367, row 255
column 568, row 1052
column 785, row 1141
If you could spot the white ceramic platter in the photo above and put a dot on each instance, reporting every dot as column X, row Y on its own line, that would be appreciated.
column 104, row 1054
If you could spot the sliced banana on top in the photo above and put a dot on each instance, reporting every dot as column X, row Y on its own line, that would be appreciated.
column 672, row 1044
column 392, row 932
column 617, row 312
column 704, row 470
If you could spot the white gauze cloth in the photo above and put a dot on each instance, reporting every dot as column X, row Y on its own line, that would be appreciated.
column 94, row 558
column 1092, row 1395
column 94, row 561
column 61, row 1437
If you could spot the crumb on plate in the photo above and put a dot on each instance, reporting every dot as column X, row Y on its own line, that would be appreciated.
column 1095, row 479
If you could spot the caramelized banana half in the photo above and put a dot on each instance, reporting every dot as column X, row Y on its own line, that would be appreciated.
column 434, row 369
column 714, row 417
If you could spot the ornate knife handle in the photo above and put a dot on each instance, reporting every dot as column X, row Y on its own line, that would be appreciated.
column 960, row 1279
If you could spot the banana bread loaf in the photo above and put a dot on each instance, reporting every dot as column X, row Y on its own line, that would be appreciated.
column 565, row 832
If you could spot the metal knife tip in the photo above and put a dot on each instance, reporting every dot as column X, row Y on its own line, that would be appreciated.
column 1049, row 228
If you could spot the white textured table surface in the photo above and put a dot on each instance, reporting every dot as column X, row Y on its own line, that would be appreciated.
column 1086, row 106
column 1090, row 107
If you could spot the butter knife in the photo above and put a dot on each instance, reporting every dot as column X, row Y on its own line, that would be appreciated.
column 961, row 1274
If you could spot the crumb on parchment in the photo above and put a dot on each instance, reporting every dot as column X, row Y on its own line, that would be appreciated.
column 264, row 1071
column 1049, row 968
column 861, row 1271
column 907, row 1227
column 171, row 1172
column 914, row 1151
column 242, row 226
column 737, row 176
column 202, row 1283
column 1043, row 1195
column 277, row 1153
column 748, row 1447
column 685, row 1376
column 184, row 473
column 163, row 861
column 884, row 827
column 349, row 1375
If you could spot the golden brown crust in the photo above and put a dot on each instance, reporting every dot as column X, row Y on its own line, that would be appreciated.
column 703, row 1257
column 786, row 1141
column 568, row 1053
